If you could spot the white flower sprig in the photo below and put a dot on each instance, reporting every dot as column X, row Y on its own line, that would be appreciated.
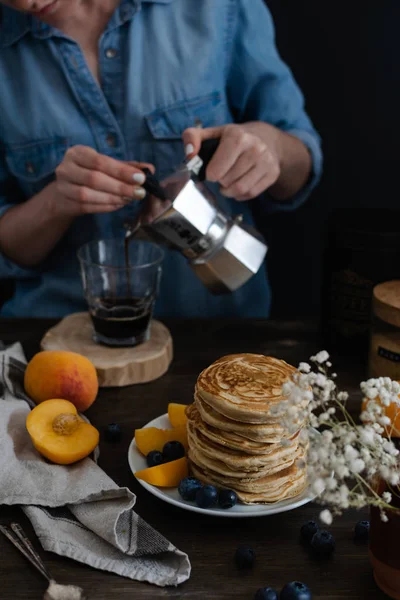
column 346, row 460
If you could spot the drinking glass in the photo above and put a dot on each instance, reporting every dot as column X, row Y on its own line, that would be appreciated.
column 121, row 281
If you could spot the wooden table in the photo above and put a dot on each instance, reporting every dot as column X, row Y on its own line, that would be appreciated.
column 209, row 542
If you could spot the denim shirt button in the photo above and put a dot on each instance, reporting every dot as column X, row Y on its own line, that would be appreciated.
column 111, row 140
column 111, row 53
column 29, row 168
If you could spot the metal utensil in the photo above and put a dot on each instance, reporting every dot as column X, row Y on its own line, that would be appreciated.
column 55, row 591
column 222, row 251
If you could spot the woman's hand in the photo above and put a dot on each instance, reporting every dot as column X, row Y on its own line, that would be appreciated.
column 86, row 182
column 89, row 182
column 245, row 163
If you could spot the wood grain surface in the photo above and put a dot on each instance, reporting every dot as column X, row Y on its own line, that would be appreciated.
column 116, row 367
column 210, row 542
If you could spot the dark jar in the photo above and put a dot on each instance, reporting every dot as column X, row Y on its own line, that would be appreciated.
column 362, row 250
column 384, row 546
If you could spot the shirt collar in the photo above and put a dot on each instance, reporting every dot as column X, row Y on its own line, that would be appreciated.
column 14, row 25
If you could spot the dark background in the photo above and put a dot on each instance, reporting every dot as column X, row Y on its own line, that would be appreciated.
column 345, row 56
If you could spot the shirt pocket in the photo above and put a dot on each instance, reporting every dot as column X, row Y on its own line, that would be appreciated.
column 167, row 124
column 33, row 165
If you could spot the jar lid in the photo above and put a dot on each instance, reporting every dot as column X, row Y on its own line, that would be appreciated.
column 386, row 302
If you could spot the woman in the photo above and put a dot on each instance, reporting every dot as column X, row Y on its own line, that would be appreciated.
column 88, row 86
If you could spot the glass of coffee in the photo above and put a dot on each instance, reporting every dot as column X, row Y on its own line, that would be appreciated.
column 121, row 282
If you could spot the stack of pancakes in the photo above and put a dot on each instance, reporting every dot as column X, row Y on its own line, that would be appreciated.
column 235, row 441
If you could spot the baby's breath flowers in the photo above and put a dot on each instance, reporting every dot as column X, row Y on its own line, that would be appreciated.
column 347, row 459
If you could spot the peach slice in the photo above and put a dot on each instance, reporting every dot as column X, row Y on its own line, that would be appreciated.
column 177, row 415
column 169, row 474
column 152, row 438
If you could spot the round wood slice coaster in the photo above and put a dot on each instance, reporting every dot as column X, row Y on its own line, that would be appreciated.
column 115, row 367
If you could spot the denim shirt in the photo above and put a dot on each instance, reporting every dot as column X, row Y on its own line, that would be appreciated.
column 164, row 64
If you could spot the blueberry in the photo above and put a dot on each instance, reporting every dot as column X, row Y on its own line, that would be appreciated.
column 266, row 593
column 296, row 591
column 173, row 451
column 188, row 488
column 154, row 458
column 244, row 557
column 361, row 531
column 113, row 432
column 206, row 496
column 308, row 530
column 323, row 543
column 227, row 498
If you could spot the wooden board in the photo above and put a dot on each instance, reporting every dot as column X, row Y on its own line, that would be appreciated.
column 115, row 366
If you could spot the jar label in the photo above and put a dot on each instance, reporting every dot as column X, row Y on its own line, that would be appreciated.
column 389, row 354
column 350, row 305
column 384, row 356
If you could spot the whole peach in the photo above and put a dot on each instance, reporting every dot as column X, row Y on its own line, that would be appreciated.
column 62, row 374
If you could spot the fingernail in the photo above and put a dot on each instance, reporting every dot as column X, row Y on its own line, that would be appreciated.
column 140, row 192
column 189, row 149
column 139, row 178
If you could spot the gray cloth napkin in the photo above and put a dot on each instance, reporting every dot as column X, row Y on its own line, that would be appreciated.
column 76, row 511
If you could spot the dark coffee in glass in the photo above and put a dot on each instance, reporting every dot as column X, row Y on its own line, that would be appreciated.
column 121, row 284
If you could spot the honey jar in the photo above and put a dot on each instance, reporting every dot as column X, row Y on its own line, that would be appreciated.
column 384, row 350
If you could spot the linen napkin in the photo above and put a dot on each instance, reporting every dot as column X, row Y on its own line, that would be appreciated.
column 77, row 511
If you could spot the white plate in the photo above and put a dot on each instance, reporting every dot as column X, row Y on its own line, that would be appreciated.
column 137, row 462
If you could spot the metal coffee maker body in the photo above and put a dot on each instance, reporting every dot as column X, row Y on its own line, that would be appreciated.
column 221, row 250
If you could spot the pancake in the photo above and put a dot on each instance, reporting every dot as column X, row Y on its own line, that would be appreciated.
column 235, row 438
column 263, row 433
column 244, row 387
column 240, row 461
column 267, row 490
column 244, row 473
column 227, row 439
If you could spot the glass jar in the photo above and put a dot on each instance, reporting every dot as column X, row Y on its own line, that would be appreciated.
column 362, row 250
column 384, row 544
column 384, row 349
